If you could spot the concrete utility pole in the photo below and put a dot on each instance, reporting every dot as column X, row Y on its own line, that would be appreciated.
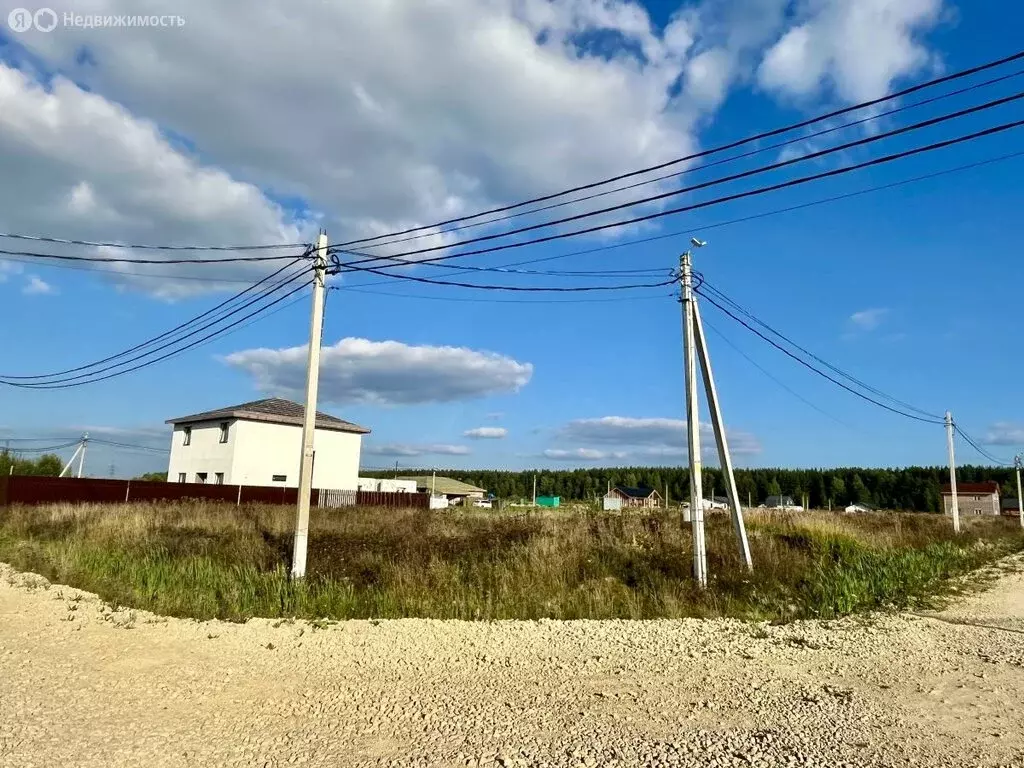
column 1020, row 501
column 724, row 457
column 81, row 456
column 700, row 557
column 955, row 508
column 535, row 489
column 695, row 346
column 309, row 415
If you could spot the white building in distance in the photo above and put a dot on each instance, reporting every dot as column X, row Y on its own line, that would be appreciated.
column 260, row 443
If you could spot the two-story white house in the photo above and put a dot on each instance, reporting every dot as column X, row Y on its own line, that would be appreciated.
column 260, row 443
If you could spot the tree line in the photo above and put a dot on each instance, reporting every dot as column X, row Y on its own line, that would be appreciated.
column 910, row 488
column 48, row 464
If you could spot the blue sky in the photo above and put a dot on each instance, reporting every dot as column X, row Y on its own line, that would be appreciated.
column 113, row 135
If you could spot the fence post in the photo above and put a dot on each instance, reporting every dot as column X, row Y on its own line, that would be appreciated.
column 239, row 502
column 127, row 490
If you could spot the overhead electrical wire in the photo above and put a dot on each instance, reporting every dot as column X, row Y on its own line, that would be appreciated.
column 710, row 183
column 61, row 383
column 705, row 153
column 466, row 269
column 773, row 378
column 217, row 333
column 705, row 166
column 810, row 366
column 482, row 300
column 971, row 442
column 198, row 318
column 517, row 288
column 128, row 446
column 139, row 247
column 706, row 286
column 47, row 449
column 132, row 275
column 725, row 199
column 126, row 260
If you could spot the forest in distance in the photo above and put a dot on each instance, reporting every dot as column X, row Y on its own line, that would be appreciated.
column 910, row 488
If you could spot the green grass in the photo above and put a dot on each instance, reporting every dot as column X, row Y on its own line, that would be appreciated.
column 207, row 560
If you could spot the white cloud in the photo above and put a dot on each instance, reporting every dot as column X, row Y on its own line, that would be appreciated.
column 386, row 372
column 855, row 47
column 8, row 268
column 626, row 431
column 89, row 169
column 407, row 450
column 1004, row 433
column 652, row 438
column 868, row 319
column 486, row 433
column 582, row 454
column 36, row 286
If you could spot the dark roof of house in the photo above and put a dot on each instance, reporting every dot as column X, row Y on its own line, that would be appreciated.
column 721, row 499
column 773, row 501
column 635, row 493
column 1008, row 503
column 273, row 410
column 989, row 486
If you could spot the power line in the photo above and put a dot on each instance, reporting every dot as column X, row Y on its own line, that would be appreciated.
column 518, row 288
column 128, row 446
column 468, row 300
column 811, row 367
column 779, row 382
column 839, row 371
column 125, row 260
column 142, row 275
column 465, row 269
column 136, row 246
column 208, row 313
column 47, row 449
column 217, row 333
column 716, row 181
column 721, row 148
column 727, row 198
column 705, row 166
column 971, row 442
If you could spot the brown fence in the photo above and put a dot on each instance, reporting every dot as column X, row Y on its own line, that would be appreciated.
column 27, row 489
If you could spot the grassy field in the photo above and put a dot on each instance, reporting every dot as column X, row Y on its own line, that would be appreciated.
column 210, row 560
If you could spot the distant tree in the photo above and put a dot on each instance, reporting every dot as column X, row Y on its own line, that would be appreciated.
column 774, row 489
column 153, row 476
column 839, row 496
column 48, row 465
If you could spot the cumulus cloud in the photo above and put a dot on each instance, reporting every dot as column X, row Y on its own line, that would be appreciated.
column 90, row 169
column 1004, row 433
column 36, row 286
column 868, row 319
column 386, row 372
column 652, row 438
column 486, row 433
column 855, row 48
column 406, row 450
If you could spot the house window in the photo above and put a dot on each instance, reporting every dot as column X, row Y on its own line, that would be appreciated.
column 181, row 477
column 280, row 478
column 200, row 477
column 977, row 510
column 218, row 478
column 224, row 431
column 187, row 431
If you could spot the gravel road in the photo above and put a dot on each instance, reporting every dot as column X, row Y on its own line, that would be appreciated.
column 83, row 684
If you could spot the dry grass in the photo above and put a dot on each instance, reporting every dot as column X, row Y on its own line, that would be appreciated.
column 211, row 560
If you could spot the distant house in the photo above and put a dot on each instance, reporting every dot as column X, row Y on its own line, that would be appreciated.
column 782, row 502
column 260, row 443
column 860, row 508
column 644, row 498
column 1010, row 507
column 455, row 491
column 972, row 498
column 386, row 485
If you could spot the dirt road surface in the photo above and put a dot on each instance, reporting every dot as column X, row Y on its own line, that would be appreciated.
column 82, row 684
